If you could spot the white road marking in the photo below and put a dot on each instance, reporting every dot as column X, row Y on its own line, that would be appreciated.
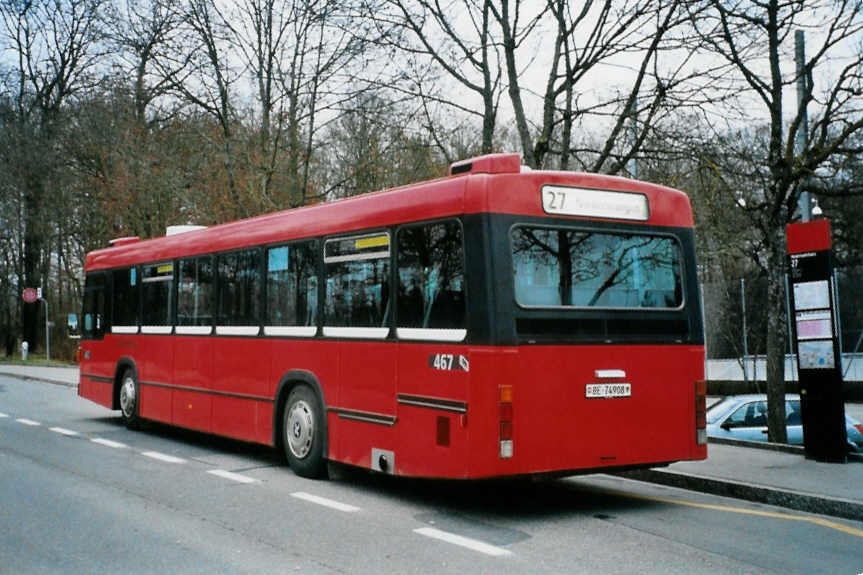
column 463, row 541
column 67, row 432
column 109, row 443
column 2, row 415
column 28, row 422
column 162, row 457
column 325, row 502
column 232, row 476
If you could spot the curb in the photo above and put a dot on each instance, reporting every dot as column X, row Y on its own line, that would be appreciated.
column 796, row 500
column 40, row 379
column 780, row 447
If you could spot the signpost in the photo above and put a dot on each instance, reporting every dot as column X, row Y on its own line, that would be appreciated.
column 31, row 295
column 816, row 342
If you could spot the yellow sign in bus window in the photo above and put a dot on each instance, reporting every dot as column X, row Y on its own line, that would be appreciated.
column 372, row 242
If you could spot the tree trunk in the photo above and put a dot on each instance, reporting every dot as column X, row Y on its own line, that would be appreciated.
column 489, row 113
column 514, row 89
column 33, row 246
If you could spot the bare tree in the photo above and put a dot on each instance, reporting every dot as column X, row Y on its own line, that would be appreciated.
column 455, row 41
column 296, row 53
column 755, row 39
column 143, row 34
column 210, row 85
column 586, row 37
column 54, row 47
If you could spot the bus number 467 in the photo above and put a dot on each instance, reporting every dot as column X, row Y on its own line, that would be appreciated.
column 449, row 362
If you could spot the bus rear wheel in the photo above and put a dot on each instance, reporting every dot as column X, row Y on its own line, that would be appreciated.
column 302, row 432
column 129, row 399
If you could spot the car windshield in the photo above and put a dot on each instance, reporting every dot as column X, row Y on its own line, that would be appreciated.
column 720, row 408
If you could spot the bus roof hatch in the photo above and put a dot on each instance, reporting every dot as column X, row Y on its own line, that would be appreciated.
column 488, row 164
column 117, row 242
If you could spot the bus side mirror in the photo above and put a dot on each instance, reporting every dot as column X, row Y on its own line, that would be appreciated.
column 72, row 329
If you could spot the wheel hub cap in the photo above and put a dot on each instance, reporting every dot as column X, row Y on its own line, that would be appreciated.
column 301, row 424
column 127, row 397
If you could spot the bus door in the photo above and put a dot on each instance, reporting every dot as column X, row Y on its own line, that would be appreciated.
column 357, row 313
column 242, row 391
column 193, row 361
column 96, row 367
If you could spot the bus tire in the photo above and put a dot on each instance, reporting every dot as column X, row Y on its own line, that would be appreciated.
column 302, row 433
column 130, row 394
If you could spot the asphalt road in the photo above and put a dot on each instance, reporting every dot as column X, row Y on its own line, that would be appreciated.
column 81, row 494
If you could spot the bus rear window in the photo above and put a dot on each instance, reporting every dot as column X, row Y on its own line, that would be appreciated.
column 560, row 267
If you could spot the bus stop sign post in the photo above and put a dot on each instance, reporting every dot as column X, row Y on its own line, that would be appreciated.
column 815, row 330
column 31, row 295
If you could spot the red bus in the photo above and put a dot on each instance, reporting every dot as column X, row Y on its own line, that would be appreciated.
column 495, row 322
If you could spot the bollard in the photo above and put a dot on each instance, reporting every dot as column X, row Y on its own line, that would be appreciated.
column 24, row 348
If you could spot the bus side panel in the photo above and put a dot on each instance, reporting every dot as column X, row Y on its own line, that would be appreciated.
column 193, row 367
column 354, row 440
column 264, row 422
column 367, row 382
column 154, row 355
column 366, row 388
column 312, row 356
column 491, row 368
column 101, row 392
column 433, row 441
column 97, row 360
column 240, row 378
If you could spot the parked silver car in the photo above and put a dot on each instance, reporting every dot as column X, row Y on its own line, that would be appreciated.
column 745, row 417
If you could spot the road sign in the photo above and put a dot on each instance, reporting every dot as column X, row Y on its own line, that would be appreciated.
column 816, row 329
column 30, row 295
column 39, row 292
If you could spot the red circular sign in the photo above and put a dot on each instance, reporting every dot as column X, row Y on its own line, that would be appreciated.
column 30, row 295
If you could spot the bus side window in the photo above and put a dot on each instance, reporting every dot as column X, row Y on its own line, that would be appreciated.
column 431, row 276
column 124, row 311
column 195, row 292
column 240, row 286
column 357, row 285
column 157, row 287
column 292, row 284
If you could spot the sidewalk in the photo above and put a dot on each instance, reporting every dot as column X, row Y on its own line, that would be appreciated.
column 774, row 475
column 60, row 375
column 783, row 478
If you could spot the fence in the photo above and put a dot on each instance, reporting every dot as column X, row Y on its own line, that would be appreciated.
column 735, row 317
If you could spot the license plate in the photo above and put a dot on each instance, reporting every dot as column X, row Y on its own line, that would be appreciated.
column 602, row 390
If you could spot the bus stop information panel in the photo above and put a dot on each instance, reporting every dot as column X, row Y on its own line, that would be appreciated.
column 815, row 340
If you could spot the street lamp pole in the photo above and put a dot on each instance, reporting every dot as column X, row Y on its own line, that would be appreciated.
column 47, row 333
column 805, row 202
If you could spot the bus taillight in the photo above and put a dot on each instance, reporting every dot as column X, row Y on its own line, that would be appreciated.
column 701, row 412
column 505, row 414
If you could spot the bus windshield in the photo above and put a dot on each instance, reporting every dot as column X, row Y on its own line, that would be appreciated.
column 564, row 267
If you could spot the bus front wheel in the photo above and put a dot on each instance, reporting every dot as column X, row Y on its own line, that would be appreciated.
column 302, row 432
column 129, row 399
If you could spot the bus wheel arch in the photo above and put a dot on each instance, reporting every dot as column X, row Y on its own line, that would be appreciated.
column 292, row 388
column 123, row 364
column 127, row 392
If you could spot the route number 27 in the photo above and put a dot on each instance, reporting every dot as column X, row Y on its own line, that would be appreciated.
column 554, row 200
